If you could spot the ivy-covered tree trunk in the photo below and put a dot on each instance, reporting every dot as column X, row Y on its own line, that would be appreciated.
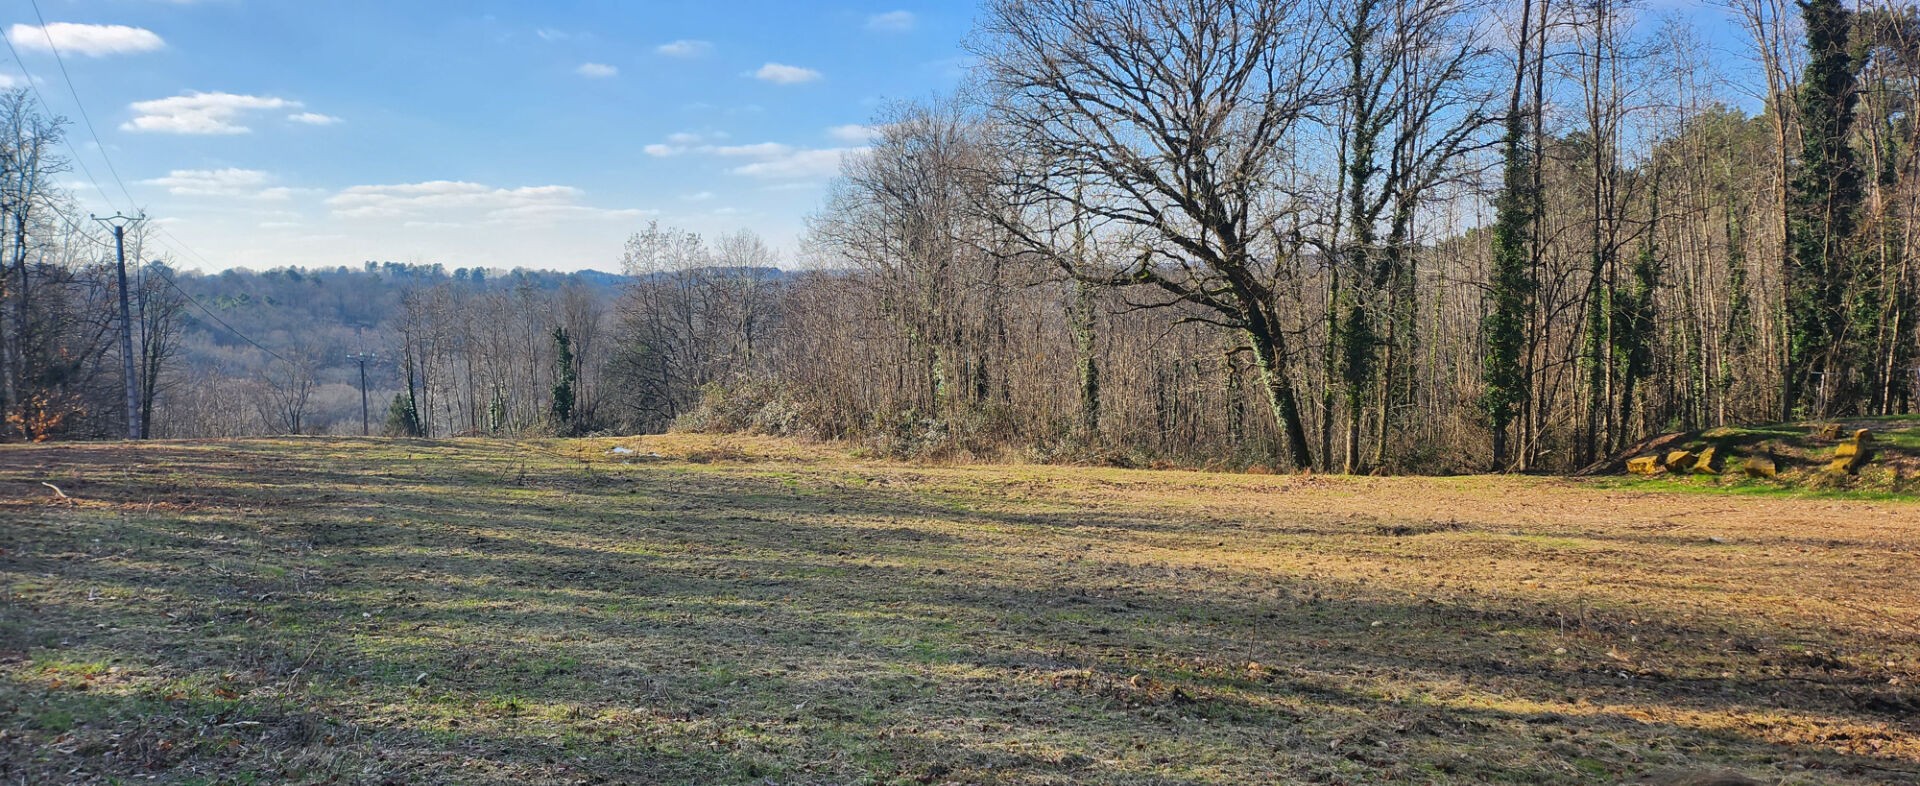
column 1512, row 282
column 1633, row 323
column 564, row 377
column 1738, row 334
column 1822, row 205
column 1086, row 358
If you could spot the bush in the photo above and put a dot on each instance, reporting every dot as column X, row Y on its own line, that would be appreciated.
column 745, row 406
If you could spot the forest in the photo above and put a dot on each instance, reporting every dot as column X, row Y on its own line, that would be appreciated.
column 1350, row 236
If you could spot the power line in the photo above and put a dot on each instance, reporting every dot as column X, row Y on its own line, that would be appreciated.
column 35, row 87
column 167, row 277
column 87, row 119
column 175, row 286
column 119, row 224
column 81, row 105
column 79, row 230
column 177, row 245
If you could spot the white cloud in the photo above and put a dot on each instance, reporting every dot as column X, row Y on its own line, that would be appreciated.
column 551, row 214
column 10, row 81
column 231, row 182
column 550, row 34
column 88, row 40
column 685, row 47
column 200, row 113
column 597, row 70
column 783, row 74
column 757, row 150
column 695, row 137
column 771, row 160
column 699, row 197
column 314, row 119
column 683, row 143
column 447, row 201
column 854, row 133
column 800, row 164
column 891, row 22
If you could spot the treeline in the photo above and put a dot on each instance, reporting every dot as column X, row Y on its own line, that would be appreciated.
column 241, row 352
column 280, row 351
column 1363, row 235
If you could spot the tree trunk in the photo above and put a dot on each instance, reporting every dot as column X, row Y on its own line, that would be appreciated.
column 1269, row 350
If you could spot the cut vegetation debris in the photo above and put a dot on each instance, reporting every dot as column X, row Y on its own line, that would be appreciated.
column 762, row 612
column 1862, row 455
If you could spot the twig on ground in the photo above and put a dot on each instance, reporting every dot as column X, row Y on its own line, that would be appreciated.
column 61, row 495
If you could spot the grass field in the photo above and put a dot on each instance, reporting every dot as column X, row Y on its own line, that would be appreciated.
column 737, row 610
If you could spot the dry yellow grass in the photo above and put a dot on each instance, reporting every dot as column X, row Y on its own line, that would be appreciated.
column 744, row 610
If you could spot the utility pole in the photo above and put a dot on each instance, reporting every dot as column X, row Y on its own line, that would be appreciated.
column 362, row 358
column 119, row 224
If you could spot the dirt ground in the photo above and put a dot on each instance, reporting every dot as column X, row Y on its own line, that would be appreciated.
column 735, row 610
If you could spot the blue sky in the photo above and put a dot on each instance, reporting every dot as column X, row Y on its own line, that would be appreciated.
column 493, row 133
column 263, row 133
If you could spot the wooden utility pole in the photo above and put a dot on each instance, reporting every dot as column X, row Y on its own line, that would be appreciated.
column 362, row 358
column 119, row 224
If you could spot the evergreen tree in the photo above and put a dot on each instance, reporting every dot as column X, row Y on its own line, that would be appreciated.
column 403, row 415
column 403, row 418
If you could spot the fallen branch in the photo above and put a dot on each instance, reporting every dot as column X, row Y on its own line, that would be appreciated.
column 57, row 492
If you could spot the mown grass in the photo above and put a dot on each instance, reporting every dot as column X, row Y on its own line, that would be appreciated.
column 754, row 611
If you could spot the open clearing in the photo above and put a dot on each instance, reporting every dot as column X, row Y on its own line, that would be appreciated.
column 751, row 611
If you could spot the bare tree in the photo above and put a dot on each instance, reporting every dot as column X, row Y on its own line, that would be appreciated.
column 1172, row 119
column 157, row 309
column 27, row 166
column 283, row 392
column 1412, row 106
column 690, row 319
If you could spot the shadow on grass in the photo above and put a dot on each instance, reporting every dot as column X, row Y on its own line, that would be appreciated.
column 509, row 618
